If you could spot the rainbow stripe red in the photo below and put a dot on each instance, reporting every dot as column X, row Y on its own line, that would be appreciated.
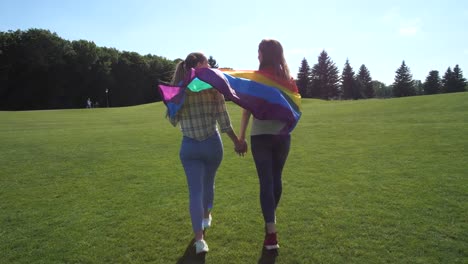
column 262, row 94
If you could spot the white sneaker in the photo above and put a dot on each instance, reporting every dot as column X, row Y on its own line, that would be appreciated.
column 201, row 246
column 207, row 222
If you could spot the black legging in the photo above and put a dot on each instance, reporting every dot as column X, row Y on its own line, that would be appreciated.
column 270, row 153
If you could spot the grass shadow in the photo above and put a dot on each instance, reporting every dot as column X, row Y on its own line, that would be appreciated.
column 268, row 256
column 190, row 257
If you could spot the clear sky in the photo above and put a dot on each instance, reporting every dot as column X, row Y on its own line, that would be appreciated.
column 427, row 34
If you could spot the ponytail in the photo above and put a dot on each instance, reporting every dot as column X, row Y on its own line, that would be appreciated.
column 179, row 73
column 182, row 67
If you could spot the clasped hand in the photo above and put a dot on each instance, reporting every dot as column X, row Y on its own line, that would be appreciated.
column 241, row 147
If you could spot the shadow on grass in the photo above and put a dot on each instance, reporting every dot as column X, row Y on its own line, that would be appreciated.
column 268, row 256
column 190, row 257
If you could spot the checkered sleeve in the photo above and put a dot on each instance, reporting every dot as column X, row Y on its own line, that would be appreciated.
column 222, row 115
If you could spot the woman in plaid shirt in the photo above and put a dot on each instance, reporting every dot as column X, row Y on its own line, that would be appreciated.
column 201, row 150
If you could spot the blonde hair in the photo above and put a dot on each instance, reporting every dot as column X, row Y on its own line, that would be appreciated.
column 273, row 58
column 184, row 66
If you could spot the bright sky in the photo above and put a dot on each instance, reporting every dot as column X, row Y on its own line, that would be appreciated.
column 427, row 34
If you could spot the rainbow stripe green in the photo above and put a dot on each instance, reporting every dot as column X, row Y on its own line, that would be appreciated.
column 266, row 97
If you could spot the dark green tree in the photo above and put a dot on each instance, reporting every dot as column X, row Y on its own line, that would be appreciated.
column 403, row 85
column 82, row 74
column 432, row 85
column 381, row 90
column 325, row 78
column 364, row 80
column 131, row 73
column 303, row 79
column 348, row 82
column 459, row 81
column 34, row 62
column 160, row 71
column 104, row 79
column 448, row 81
column 212, row 63
column 40, row 70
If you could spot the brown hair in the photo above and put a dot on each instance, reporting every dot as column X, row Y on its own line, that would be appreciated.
column 273, row 58
column 182, row 67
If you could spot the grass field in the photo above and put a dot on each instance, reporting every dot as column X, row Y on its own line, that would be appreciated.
column 371, row 181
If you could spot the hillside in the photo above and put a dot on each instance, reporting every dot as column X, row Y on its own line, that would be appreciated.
column 369, row 181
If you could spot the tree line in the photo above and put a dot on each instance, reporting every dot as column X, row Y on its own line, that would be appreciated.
column 324, row 81
column 40, row 70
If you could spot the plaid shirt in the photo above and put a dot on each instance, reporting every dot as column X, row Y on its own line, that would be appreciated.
column 200, row 112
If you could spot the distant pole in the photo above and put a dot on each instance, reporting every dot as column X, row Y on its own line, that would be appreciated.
column 107, row 97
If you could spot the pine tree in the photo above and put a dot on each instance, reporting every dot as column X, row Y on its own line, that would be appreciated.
column 459, row 81
column 403, row 85
column 432, row 85
column 325, row 78
column 448, row 81
column 303, row 79
column 212, row 62
column 365, row 87
column 348, row 83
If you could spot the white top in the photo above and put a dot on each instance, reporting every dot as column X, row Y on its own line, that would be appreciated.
column 266, row 127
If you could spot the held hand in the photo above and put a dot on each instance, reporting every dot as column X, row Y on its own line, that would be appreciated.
column 241, row 147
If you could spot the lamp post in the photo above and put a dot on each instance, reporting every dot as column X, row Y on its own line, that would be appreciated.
column 107, row 97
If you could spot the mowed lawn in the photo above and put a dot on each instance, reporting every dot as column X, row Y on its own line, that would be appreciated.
column 369, row 181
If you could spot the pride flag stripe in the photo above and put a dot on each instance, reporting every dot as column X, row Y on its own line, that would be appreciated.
column 264, row 97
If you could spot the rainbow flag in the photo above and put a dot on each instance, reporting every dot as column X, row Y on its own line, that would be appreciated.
column 266, row 97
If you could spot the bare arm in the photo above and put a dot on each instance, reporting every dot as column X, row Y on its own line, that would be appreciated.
column 243, row 128
column 244, row 124
column 232, row 135
column 239, row 147
column 225, row 125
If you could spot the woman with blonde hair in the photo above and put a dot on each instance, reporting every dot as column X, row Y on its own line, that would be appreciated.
column 201, row 151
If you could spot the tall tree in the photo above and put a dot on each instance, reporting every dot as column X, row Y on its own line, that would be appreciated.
column 448, row 81
column 34, row 61
column 381, row 90
column 348, row 82
column 364, row 79
column 432, row 85
column 40, row 70
column 459, row 81
column 403, row 85
column 83, row 71
column 212, row 62
column 325, row 78
column 303, row 79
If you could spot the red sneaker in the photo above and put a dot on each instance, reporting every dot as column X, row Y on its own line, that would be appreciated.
column 271, row 242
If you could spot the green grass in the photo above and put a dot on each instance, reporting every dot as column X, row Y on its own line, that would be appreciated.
column 374, row 181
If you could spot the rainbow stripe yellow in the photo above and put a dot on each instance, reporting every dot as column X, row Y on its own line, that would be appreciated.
column 265, row 96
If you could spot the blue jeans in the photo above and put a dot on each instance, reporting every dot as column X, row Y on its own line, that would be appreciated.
column 201, row 160
column 270, row 153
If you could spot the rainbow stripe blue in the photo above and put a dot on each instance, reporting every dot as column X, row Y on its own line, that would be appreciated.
column 264, row 96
